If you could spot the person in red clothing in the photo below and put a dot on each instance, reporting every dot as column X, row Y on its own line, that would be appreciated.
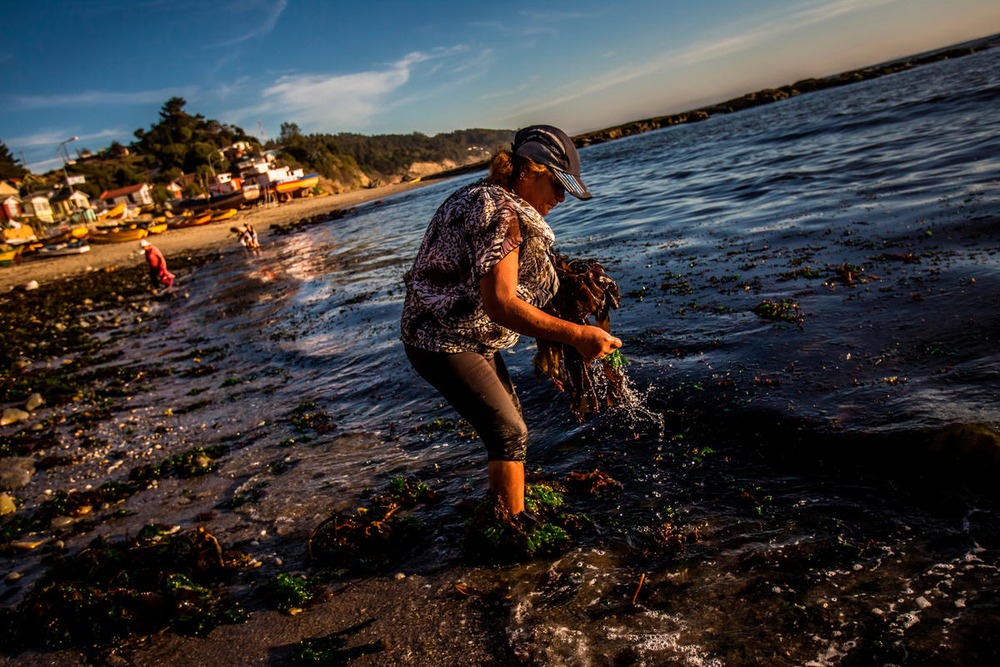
column 159, row 276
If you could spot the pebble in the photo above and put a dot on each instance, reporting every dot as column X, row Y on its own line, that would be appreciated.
column 7, row 504
column 12, row 577
column 12, row 416
column 34, row 402
column 400, row 576
column 922, row 602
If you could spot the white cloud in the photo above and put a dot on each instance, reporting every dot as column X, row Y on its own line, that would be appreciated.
column 325, row 102
column 270, row 12
column 95, row 98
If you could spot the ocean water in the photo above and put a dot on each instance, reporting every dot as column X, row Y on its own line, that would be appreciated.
column 820, row 490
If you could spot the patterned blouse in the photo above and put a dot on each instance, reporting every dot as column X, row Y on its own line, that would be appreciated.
column 469, row 234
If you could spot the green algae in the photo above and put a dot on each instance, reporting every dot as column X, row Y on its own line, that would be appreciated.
column 375, row 536
column 290, row 593
column 305, row 417
column 190, row 463
column 113, row 590
column 781, row 311
column 332, row 649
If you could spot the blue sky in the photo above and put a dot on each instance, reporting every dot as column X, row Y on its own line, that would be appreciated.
column 100, row 69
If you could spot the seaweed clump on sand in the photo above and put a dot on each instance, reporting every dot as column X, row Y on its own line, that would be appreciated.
column 545, row 527
column 374, row 537
column 586, row 295
column 114, row 590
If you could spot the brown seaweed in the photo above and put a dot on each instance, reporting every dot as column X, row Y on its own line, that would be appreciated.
column 586, row 295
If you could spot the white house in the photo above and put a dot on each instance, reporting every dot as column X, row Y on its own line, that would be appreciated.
column 133, row 195
column 37, row 207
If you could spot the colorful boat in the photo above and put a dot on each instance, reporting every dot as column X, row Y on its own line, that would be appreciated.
column 185, row 219
column 219, row 216
column 202, row 219
column 119, row 236
column 64, row 234
column 156, row 227
column 288, row 189
column 18, row 235
column 116, row 212
column 10, row 254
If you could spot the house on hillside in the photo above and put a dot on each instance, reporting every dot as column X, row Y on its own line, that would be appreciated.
column 37, row 207
column 133, row 195
column 73, row 204
column 175, row 190
column 10, row 208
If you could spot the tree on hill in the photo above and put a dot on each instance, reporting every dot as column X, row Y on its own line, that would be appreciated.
column 9, row 167
column 184, row 142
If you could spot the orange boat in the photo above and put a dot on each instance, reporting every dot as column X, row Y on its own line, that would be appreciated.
column 202, row 219
column 118, row 235
column 287, row 189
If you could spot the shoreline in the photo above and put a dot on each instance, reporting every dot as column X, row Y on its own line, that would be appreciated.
column 197, row 240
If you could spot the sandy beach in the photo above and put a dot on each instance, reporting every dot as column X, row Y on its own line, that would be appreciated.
column 204, row 238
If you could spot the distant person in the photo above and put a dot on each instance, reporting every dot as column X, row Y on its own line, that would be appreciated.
column 480, row 278
column 248, row 239
column 252, row 241
column 159, row 276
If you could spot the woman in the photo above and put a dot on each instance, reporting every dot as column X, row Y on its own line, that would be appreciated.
column 159, row 276
column 481, row 277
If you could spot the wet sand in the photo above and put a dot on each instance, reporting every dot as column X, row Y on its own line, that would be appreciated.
column 191, row 240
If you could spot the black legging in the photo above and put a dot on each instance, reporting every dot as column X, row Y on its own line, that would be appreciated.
column 480, row 390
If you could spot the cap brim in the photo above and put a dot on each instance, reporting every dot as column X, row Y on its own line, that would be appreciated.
column 573, row 184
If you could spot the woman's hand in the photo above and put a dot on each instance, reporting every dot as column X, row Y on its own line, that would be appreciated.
column 595, row 343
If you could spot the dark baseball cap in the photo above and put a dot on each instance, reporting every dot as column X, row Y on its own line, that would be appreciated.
column 553, row 148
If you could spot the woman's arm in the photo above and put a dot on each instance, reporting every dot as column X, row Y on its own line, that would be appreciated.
column 503, row 306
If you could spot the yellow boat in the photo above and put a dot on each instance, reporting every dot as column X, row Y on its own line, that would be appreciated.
column 10, row 254
column 287, row 189
column 118, row 236
column 157, row 228
column 117, row 211
column 202, row 219
column 219, row 216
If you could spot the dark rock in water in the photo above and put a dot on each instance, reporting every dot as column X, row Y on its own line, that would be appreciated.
column 972, row 443
column 15, row 472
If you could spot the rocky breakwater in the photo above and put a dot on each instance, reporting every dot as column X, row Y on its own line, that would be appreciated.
column 770, row 95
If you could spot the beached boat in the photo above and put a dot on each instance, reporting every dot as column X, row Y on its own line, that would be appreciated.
column 250, row 194
column 156, row 227
column 116, row 212
column 219, row 216
column 288, row 189
column 185, row 219
column 119, row 236
column 199, row 204
column 201, row 219
column 10, row 254
column 61, row 249
column 18, row 235
column 64, row 234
